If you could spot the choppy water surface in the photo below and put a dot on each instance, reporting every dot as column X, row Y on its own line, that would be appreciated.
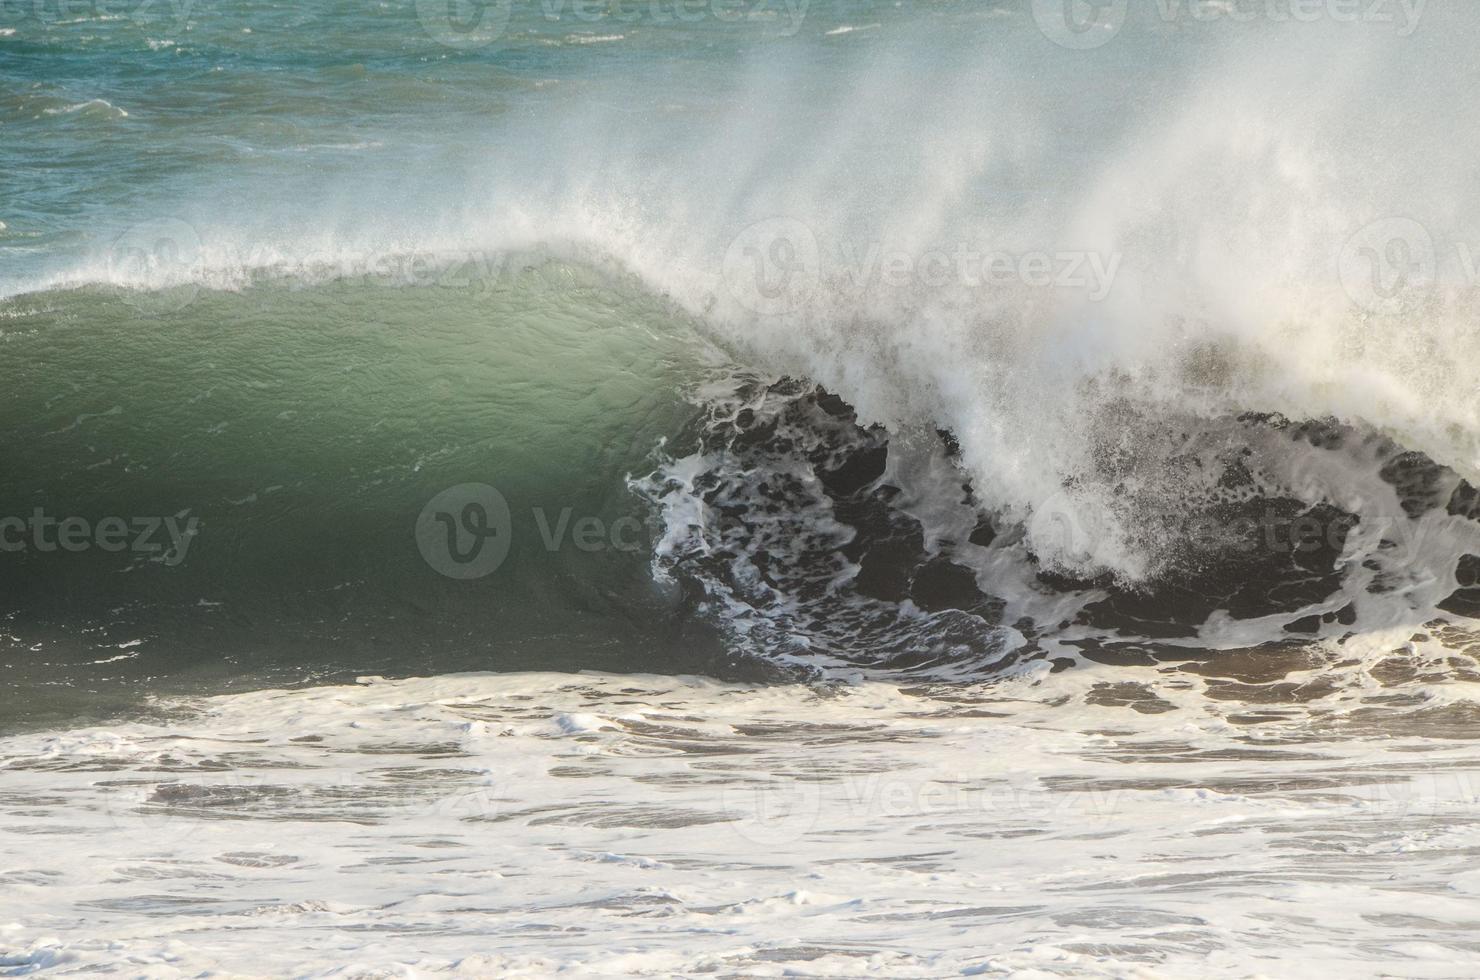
column 764, row 488
column 526, row 824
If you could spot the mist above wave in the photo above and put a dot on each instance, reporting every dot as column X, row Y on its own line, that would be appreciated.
column 1054, row 254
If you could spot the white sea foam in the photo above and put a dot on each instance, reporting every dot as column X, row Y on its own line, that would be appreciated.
column 100, row 107
column 593, row 38
column 521, row 825
column 1197, row 817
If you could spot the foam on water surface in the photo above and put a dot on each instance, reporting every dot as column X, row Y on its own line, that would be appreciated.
column 1019, row 721
column 527, row 824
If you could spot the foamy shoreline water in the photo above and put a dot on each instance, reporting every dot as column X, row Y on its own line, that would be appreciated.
column 1016, row 464
column 528, row 824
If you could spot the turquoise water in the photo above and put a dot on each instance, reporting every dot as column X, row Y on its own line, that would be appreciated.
column 251, row 113
column 630, row 487
column 698, row 292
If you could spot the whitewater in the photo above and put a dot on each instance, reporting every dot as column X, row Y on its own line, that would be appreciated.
column 741, row 489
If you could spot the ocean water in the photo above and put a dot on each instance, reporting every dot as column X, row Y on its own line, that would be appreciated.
column 739, row 488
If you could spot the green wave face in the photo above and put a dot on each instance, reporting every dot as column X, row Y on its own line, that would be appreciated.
column 243, row 478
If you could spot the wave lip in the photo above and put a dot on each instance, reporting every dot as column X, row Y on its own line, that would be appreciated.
column 1133, row 320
